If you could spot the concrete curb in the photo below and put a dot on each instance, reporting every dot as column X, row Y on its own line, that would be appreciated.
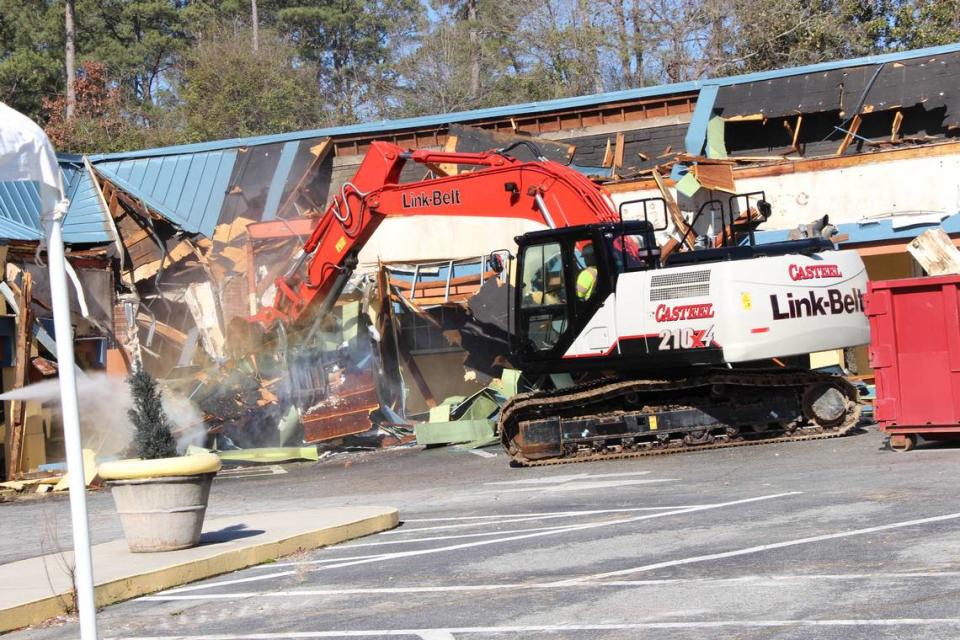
column 112, row 589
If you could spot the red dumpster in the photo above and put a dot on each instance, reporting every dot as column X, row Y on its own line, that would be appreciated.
column 915, row 354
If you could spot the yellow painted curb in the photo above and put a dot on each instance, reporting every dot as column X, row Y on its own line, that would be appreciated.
column 191, row 571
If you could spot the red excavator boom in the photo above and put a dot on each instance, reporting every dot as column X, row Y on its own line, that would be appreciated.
column 499, row 186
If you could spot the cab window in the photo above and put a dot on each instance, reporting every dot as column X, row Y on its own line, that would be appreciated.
column 543, row 303
column 630, row 252
column 543, row 282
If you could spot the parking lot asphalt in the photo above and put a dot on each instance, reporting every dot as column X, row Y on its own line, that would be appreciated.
column 825, row 539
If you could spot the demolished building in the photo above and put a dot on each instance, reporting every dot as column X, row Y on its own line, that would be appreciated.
column 173, row 246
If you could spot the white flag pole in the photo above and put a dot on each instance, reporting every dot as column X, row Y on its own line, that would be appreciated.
column 63, row 331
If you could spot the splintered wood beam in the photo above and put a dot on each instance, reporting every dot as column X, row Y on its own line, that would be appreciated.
column 715, row 176
column 449, row 146
column 439, row 170
column 895, row 129
column 607, row 156
column 21, row 356
column 618, row 153
column 851, row 132
column 251, row 277
column 934, row 251
column 796, row 135
column 675, row 214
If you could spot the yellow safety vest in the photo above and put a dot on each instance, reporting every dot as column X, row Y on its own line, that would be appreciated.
column 585, row 282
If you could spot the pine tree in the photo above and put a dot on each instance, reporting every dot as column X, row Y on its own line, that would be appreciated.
column 153, row 436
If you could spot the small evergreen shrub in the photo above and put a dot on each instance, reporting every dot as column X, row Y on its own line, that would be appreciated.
column 153, row 436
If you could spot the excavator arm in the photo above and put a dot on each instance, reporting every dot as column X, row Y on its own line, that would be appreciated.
column 498, row 186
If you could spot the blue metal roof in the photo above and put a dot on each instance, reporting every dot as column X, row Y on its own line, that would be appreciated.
column 529, row 107
column 880, row 230
column 85, row 221
column 187, row 188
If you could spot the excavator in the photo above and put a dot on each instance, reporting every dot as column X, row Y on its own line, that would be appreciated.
column 667, row 350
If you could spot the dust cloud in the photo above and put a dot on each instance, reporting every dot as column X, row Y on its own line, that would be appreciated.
column 104, row 401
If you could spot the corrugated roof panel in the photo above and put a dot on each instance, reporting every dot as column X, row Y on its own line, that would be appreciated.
column 191, row 180
column 218, row 193
column 19, row 210
column 168, row 166
column 86, row 220
column 187, row 189
column 151, row 177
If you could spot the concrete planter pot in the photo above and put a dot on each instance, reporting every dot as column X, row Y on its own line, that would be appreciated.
column 161, row 502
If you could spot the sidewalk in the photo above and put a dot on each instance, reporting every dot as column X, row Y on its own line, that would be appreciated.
column 40, row 588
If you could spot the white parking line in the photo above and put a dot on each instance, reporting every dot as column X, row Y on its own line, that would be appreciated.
column 460, row 536
column 582, row 486
column 545, row 514
column 567, row 478
column 479, row 452
column 775, row 581
column 507, row 519
column 498, row 540
column 765, row 547
column 561, row 628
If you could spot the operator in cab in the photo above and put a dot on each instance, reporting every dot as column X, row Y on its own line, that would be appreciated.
column 587, row 263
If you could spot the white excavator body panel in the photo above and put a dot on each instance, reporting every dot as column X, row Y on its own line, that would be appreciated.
column 756, row 309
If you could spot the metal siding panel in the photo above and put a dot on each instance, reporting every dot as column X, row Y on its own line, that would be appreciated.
column 122, row 170
column 151, row 173
column 210, row 214
column 697, row 130
column 194, row 164
column 164, row 179
column 25, row 204
column 280, row 176
column 179, row 176
column 12, row 231
column 13, row 201
column 136, row 169
column 86, row 220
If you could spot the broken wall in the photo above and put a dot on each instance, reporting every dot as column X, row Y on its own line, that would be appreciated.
column 885, row 183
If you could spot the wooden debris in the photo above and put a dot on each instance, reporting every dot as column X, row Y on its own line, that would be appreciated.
column 794, row 132
column 607, row 156
column 90, row 472
column 851, row 132
column 150, row 269
column 675, row 214
column 935, row 252
column 450, row 146
column 618, row 154
column 715, row 176
column 164, row 330
column 17, row 423
column 202, row 303
column 895, row 128
column 44, row 366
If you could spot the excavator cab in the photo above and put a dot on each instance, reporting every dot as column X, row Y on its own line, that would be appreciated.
column 564, row 275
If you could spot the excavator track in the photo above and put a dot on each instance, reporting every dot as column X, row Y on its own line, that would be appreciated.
column 543, row 428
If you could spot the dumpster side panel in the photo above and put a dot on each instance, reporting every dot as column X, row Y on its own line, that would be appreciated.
column 915, row 351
